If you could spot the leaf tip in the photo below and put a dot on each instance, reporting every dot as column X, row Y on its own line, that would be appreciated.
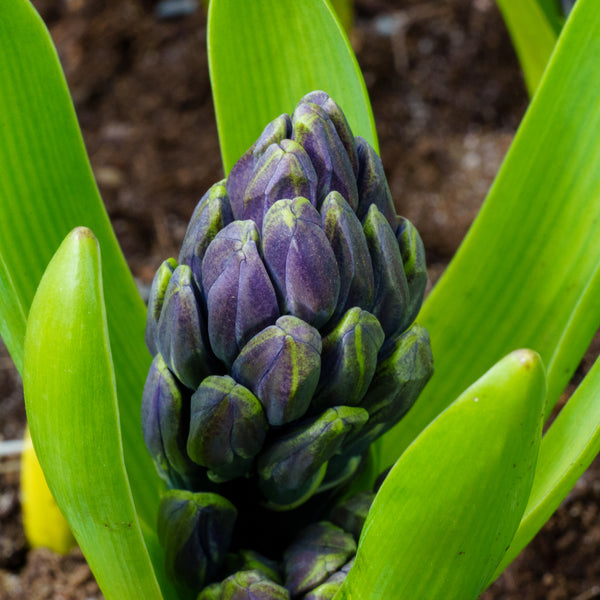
column 528, row 359
column 82, row 234
column 80, row 239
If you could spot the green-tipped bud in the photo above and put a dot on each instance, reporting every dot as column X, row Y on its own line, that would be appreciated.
column 249, row 560
column 211, row 215
column 291, row 468
column 390, row 304
column 398, row 381
column 301, row 260
column 165, row 423
column 182, row 339
column 349, row 359
column 415, row 268
column 240, row 299
column 252, row 585
column 328, row 589
column 318, row 552
column 338, row 118
column 345, row 235
column 283, row 171
column 281, row 365
column 313, row 129
column 275, row 132
column 210, row 592
column 372, row 184
column 156, row 300
column 237, row 182
column 228, row 427
column 195, row 531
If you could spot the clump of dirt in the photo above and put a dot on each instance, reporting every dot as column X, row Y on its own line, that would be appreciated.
column 49, row 576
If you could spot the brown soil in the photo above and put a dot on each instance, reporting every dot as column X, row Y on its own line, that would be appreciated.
column 447, row 95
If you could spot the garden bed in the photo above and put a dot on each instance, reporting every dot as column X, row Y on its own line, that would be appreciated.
column 447, row 95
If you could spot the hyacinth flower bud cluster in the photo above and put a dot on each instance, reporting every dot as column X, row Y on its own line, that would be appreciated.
column 284, row 344
column 313, row 567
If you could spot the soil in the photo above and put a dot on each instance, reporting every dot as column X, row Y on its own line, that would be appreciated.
column 447, row 95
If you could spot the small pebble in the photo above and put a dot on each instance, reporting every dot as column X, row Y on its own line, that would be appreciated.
column 173, row 9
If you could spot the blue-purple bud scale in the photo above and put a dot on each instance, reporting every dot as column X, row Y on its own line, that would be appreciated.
column 240, row 298
column 212, row 214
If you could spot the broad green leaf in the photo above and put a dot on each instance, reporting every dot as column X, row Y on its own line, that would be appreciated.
column 13, row 315
column 442, row 520
column 567, row 450
column 70, row 395
column 526, row 274
column 344, row 10
column 264, row 56
column 46, row 189
column 533, row 37
column 553, row 13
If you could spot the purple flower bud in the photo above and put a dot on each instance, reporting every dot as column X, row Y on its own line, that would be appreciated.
column 413, row 257
column 227, row 428
column 338, row 118
column 330, row 587
column 195, row 531
column 347, row 240
column 301, row 260
column 250, row 560
column 281, row 365
column 165, row 425
column 313, row 129
column 276, row 131
column 318, row 552
column 372, row 184
column 397, row 383
column 240, row 298
column 182, row 331
column 391, row 290
column 155, row 302
column 349, row 360
column 252, row 585
column 283, row 171
column 210, row 592
column 211, row 215
column 291, row 468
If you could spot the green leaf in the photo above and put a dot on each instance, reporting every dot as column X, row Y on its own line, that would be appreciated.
column 526, row 275
column 567, row 450
column 442, row 520
column 553, row 13
column 264, row 56
column 14, row 315
column 70, row 393
column 344, row 10
column 533, row 37
column 46, row 189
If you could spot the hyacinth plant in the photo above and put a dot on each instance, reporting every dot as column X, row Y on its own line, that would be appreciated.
column 471, row 480
column 284, row 344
